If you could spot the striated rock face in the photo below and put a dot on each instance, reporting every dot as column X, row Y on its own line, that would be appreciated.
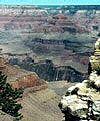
column 27, row 81
column 20, row 78
column 82, row 101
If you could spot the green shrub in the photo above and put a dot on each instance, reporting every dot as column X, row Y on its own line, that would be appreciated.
column 9, row 98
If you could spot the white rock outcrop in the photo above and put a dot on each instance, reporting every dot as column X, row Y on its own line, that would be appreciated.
column 83, row 99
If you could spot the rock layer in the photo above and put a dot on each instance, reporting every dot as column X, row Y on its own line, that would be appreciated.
column 20, row 78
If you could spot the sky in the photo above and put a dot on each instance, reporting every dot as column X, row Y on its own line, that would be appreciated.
column 50, row 2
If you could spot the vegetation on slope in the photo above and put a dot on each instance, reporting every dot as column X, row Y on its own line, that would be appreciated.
column 9, row 98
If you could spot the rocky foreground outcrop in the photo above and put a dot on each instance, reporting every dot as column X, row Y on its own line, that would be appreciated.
column 82, row 101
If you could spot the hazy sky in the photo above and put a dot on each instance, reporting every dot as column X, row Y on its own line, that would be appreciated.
column 51, row 2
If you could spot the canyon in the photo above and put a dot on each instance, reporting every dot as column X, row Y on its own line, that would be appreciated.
column 51, row 33
column 46, row 50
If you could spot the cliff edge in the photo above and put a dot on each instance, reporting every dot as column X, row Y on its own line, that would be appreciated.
column 82, row 101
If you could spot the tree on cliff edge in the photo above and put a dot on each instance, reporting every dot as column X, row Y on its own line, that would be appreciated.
column 9, row 98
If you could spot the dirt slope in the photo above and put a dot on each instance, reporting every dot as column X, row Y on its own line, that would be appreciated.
column 39, row 106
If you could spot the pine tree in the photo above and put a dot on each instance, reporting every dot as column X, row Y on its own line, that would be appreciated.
column 9, row 98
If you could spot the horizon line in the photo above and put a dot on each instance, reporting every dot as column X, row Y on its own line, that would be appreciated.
column 49, row 2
